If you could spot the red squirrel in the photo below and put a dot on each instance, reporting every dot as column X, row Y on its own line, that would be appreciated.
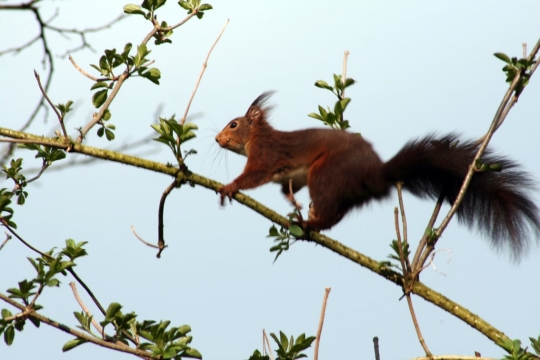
column 342, row 171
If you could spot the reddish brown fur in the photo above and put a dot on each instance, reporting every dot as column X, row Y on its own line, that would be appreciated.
column 343, row 171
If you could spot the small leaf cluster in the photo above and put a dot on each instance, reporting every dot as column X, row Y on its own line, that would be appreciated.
column 284, row 237
column 288, row 349
column 149, row 5
column 163, row 342
column 169, row 343
column 64, row 108
column 195, row 6
column 483, row 167
column 334, row 118
column 9, row 323
column 13, row 172
column 107, row 63
column 515, row 66
column 6, row 212
column 515, row 352
column 173, row 134
column 47, row 267
column 47, row 153
column 395, row 255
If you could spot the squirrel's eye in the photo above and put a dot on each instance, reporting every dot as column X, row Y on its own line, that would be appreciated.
column 233, row 125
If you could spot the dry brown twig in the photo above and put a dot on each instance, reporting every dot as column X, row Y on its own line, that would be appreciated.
column 98, row 327
column 205, row 65
column 408, row 280
column 266, row 346
column 321, row 322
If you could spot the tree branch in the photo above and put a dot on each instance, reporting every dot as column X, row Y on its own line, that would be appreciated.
column 418, row 288
column 114, row 346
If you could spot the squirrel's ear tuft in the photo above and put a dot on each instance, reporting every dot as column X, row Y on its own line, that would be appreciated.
column 254, row 114
column 258, row 109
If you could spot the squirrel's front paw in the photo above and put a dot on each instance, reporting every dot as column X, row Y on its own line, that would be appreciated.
column 227, row 191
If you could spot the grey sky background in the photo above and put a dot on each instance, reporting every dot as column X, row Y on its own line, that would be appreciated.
column 420, row 67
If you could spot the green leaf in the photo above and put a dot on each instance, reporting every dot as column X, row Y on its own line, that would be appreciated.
column 316, row 116
column 323, row 84
column 9, row 335
column 109, row 135
column 34, row 321
column 112, row 310
column 349, row 82
column 503, row 57
column 71, row 344
column 100, row 132
column 99, row 84
column 185, row 5
column 153, row 75
column 133, row 9
column 6, row 313
column 205, row 7
column 296, row 231
column 192, row 353
column 106, row 115
column 99, row 98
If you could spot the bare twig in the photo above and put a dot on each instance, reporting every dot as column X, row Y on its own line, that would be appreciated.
column 161, row 238
column 344, row 71
column 85, row 309
column 43, row 168
column 418, row 259
column 60, row 117
column 416, row 327
column 8, row 237
column 321, row 322
column 141, row 239
column 82, row 71
column 183, row 120
column 407, row 268
column 265, row 341
column 376, row 348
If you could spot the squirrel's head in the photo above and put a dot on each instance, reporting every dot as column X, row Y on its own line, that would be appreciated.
column 239, row 131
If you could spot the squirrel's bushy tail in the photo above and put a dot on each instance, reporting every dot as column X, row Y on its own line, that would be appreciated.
column 497, row 204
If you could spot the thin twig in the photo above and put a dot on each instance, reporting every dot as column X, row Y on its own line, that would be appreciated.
column 99, row 115
column 85, row 309
column 167, row 29
column 344, row 71
column 183, row 120
column 44, row 167
column 265, row 340
column 60, row 117
column 141, row 239
column 8, row 237
column 424, row 241
column 416, row 327
column 498, row 119
column 376, row 348
column 321, row 322
column 161, row 238
column 407, row 268
column 81, row 70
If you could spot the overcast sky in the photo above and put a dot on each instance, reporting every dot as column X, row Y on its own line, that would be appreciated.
column 420, row 67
